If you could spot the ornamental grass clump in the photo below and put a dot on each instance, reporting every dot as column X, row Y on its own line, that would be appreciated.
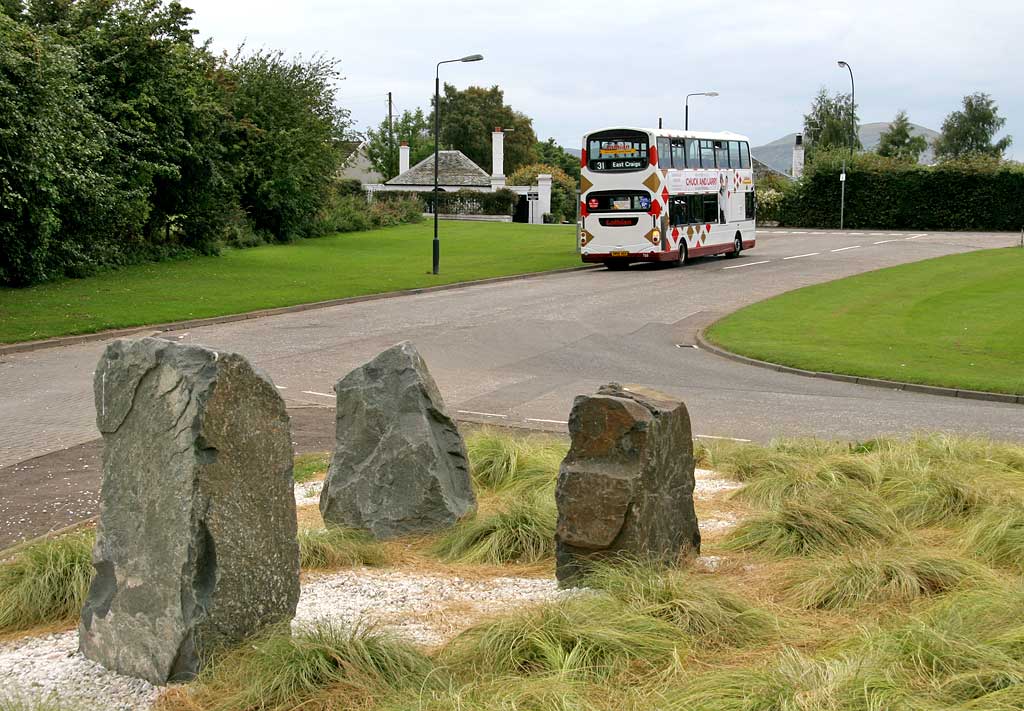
column 312, row 667
column 589, row 635
column 500, row 462
column 879, row 575
column 688, row 601
column 745, row 462
column 829, row 522
column 46, row 582
column 832, row 471
column 965, row 647
column 336, row 547
column 996, row 536
column 521, row 531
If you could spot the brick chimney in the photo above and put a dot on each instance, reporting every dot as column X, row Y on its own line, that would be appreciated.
column 403, row 157
column 497, row 159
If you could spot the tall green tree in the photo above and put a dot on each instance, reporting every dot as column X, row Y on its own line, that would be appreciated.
column 831, row 123
column 469, row 116
column 897, row 141
column 551, row 153
column 382, row 143
column 288, row 147
column 972, row 130
column 61, row 208
column 563, row 188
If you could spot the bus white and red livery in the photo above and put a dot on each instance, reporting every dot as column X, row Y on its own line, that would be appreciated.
column 663, row 195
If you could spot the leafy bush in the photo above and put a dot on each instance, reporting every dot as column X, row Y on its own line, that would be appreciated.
column 352, row 213
column 348, row 186
column 563, row 188
column 46, row 583
column 884, row 193
column 126, row 142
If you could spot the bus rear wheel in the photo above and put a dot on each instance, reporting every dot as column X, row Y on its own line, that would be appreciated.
column 684, row 255
column 737, row 246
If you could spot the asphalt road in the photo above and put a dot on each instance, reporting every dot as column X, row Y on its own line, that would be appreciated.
column 520, row 351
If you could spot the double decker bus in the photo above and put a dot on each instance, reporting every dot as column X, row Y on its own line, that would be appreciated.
column 663, row 195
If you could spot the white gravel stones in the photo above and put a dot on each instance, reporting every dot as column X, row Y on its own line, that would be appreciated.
column 427, row 609
column 708, row 482
column 37, row 668
column 308, row 494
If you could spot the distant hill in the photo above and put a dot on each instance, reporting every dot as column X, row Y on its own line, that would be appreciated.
column 779, row 153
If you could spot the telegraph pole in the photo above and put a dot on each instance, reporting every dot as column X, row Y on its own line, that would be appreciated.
column 391, row 132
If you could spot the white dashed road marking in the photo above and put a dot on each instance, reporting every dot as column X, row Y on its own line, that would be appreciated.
column 843, row 249
column 731, row 439
column 554, row 422
column 749, row 264
column 798, row 256
column 885, row 241
column 313, row 392
column 484, row 414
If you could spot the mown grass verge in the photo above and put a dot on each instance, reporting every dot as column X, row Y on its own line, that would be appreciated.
column 955, row 321
column 270, row 276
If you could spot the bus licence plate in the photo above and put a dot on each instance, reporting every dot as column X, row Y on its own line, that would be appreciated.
column 620, row 254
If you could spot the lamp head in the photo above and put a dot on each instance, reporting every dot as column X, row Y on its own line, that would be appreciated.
column 710, row 93
column 472, row 58
column 843, row 64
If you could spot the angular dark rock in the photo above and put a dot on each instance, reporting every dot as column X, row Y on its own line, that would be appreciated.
column 399, row 463
column 626, row 486
column 195, row 547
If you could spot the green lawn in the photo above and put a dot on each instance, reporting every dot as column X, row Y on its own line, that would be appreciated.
column 955, row 321
column 282, row 275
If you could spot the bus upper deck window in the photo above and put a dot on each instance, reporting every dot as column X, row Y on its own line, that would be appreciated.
column 678, row 153
column 734, row 154
column 707, row 154
column 722, row 154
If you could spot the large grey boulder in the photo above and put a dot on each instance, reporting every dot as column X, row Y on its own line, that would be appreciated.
column 195, row 547
column 399, row 463
column 626, row 486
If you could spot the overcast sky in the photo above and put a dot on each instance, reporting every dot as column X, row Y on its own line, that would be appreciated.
column 573, row 66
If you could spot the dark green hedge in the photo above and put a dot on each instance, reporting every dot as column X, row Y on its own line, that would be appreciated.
column 884, row 194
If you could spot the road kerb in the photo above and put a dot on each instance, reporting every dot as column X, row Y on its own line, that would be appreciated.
column 59, row 341
column 860, row 380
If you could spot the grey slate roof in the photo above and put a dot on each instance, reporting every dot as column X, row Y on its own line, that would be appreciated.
column 454, row 168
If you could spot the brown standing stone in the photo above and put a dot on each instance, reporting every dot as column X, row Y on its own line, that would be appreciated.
column 626, row 485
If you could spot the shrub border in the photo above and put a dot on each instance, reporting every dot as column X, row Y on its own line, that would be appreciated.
column 704, row 345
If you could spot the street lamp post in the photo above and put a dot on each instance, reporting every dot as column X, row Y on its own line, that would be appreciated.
column 437, row 139
column 853, row 141
column 687, row 104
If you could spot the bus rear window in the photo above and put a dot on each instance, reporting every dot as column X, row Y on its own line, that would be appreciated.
column 619, row 201
column 617, row 153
